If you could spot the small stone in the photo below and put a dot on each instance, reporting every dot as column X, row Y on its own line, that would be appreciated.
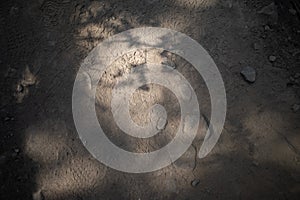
column 270, row 9
column 28, row 78
column 267, row 28
column 20, row 88
column 169, row 63
column 6, row 119
column 2, row 159
column 38, row 195
column 255, row 163
column 296, row 107
column 272, row 58
column 249, row 74
column 292, row 79
column 51, row 43
column 187, row 160
column 195, row 182
column 13, row 10
column 161, row 123
column 292, row 11
column 16, row 150
column 297, row 75
column 256, row 46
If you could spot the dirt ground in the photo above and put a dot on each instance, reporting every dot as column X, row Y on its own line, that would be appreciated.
column 43, row 43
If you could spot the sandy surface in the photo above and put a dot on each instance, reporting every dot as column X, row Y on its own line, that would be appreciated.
column 43, row 44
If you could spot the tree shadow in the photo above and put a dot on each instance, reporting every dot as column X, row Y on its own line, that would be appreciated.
column 53, row 37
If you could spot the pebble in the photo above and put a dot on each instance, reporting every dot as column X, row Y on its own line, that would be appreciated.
column 2, row 159
column 170, row 63
column 38, row 195
column 272, row 58
column 292, row 11
column 297, row 75
column 195, row 182
column 249, row 74
column 256, row 46
column 269, row 9
column 267, row 28
column 161, row 123
column 20, row 88
column 255, row 163
column 13, row 10
column 9, row 119
column 187, row 160
column 296, row 107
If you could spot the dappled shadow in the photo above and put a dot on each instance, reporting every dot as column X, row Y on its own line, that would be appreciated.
column 53, row 37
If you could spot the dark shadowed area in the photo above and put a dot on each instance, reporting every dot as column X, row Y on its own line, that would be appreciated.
column 43, row 43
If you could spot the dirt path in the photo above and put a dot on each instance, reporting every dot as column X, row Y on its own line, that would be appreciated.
column 43, row 44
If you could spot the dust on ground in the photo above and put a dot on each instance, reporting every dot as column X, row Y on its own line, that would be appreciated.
column 43, row 44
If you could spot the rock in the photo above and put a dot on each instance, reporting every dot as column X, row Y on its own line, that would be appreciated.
column 20, row 88
column 3, row 159
column 187, row 160
column 8, row 118
column 16, row 150
column 195, row 182
column 272, row 58
column 297, row 75
column 267, row 28
column 249, row 74
column 38, row 195
column 292, row 11
column 270, row 9
column 95, row 8
column 296, row 107
column 153, row 56
column 169, row 63
column 161, row 123
column 256, row 46
column 13, row 10
column 28, row 78
column 255, row 163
